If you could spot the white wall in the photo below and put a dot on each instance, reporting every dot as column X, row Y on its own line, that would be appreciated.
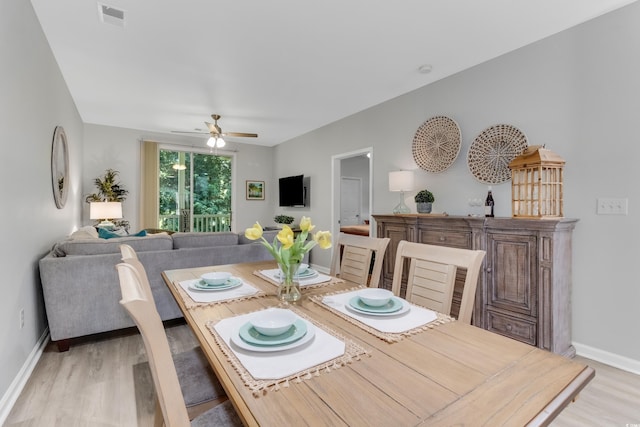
column 577, row 92
column 34, row 100
column 118, row 148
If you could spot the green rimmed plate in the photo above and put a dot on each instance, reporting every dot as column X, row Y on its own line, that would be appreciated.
column 394, row 307
column 233, row 282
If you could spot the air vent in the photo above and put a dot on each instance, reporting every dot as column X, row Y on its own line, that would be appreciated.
column 111, row 15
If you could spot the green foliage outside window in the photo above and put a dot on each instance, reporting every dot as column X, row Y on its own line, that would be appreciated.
column 211, row 182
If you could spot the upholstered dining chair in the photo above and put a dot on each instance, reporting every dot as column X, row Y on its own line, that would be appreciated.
column 352, row 258
column 432, row 275
column 200, row 388
column 163, row 370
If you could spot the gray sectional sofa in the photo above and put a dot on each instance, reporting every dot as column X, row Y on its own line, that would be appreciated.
column 80, row 283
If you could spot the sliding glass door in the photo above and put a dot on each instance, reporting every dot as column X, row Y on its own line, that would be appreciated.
column 194, row 191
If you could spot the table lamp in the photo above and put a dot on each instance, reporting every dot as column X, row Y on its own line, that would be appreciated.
column 401, row 181
column 105, row 211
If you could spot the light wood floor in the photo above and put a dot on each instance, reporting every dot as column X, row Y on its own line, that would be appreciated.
column 101, row 383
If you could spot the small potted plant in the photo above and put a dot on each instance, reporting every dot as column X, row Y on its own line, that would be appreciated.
column 423, row 200
column 283, row 219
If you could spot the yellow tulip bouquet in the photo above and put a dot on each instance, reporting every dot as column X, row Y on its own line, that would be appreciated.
column 288, row 251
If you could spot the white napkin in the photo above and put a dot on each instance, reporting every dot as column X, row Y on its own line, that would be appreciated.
column 415, row 317
column 281, row 364
column 273, row 274
column 213, row 296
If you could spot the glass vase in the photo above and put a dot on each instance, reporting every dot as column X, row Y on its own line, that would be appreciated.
column 289, row 287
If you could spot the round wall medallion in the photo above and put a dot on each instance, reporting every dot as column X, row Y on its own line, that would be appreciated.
column 60, row 167
column 436, row 144
column 491, row 152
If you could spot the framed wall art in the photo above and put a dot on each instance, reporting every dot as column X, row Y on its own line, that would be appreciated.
column 255, row 190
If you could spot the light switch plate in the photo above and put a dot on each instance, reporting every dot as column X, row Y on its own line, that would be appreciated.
column 612, row 206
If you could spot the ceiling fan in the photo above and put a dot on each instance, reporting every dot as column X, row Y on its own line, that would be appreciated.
column 216, row 139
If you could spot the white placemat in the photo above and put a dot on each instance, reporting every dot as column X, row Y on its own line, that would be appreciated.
column 273, row 275
column 281, row 364
column 241, row 291
column 414, row 318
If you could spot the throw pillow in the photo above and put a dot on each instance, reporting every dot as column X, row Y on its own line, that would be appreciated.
column 106, row 234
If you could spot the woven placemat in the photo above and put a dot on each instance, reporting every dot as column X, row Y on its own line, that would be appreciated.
column 189, row 303
column 352, row 352
column 388, row 337
column 492, row 151
column 334, row 280
column 436, row 144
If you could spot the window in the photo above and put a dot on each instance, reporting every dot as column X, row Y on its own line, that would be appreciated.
column 194, row 191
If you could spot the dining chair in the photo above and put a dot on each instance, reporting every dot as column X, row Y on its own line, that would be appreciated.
column 163, row 370
column 432, row 275
column 200, row 387
column 352, row 258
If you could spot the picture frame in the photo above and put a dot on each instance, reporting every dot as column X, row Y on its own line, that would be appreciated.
column 255, row 190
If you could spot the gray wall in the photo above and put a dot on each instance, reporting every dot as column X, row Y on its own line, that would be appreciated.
column 33, row 101
column 119, row 149
column 577, row 92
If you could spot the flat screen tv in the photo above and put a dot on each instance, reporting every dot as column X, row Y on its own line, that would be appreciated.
column 292, row 191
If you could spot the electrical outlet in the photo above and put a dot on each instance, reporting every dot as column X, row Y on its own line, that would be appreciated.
column 612, row 206
column 21, row 318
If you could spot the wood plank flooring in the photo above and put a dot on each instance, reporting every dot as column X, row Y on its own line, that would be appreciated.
column 104, row 383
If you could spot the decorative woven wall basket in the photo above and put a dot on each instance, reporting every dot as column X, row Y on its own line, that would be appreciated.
column 492, row 151
column 436, row 144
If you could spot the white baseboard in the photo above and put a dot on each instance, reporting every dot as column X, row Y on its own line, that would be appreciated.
column 611, row 359
column 18, row 383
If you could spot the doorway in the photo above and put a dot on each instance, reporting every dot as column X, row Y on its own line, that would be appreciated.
column 355, row 164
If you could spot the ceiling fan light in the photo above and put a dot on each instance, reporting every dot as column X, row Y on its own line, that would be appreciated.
column 211, row 142
column 220, row 142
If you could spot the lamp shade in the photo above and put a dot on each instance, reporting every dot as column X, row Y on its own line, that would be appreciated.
column 105, row 210
column 401, row 181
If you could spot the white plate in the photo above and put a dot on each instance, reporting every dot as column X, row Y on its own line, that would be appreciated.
column 234, row 282
column 311, row 332
column 310, row 273
column 405, row 308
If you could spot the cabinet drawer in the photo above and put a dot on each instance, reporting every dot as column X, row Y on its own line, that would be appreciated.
column 446, row 238
column 518, row 329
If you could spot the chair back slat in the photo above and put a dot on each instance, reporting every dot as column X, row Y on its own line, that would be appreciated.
column 432, row 274
column 352, row 256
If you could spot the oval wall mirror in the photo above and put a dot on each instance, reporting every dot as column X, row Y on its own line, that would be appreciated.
column 60, row 167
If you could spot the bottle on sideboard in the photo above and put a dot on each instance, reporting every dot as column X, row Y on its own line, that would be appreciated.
column 489, row 204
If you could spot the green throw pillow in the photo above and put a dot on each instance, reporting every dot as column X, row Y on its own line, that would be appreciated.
column 106, row 234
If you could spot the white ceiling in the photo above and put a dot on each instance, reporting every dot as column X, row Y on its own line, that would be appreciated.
column 279, row 68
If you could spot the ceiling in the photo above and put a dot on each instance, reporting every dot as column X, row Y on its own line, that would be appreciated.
column 279, row 68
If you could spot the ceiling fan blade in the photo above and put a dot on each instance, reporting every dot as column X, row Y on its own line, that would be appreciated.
column 213, row 128
column 241, row 134
column 193, row 132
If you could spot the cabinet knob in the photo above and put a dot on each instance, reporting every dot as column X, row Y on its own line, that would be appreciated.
column 442, row 238
column 488, row 269
column 509, row 327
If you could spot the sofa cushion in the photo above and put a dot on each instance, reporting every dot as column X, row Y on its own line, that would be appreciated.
column 269, row 235
column 154, row 242
column 203, row 240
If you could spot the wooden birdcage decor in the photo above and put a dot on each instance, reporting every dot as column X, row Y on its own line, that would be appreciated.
column 536, row 184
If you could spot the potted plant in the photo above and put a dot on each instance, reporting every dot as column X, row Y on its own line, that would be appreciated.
column 424, row 200
column 283, row 219
column 109, row 190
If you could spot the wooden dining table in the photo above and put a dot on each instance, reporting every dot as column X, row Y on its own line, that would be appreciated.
column 450, row 374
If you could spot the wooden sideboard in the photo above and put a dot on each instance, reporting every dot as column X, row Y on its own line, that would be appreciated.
column 524, row 290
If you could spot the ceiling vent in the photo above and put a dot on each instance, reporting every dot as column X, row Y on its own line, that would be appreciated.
column 111, row 15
